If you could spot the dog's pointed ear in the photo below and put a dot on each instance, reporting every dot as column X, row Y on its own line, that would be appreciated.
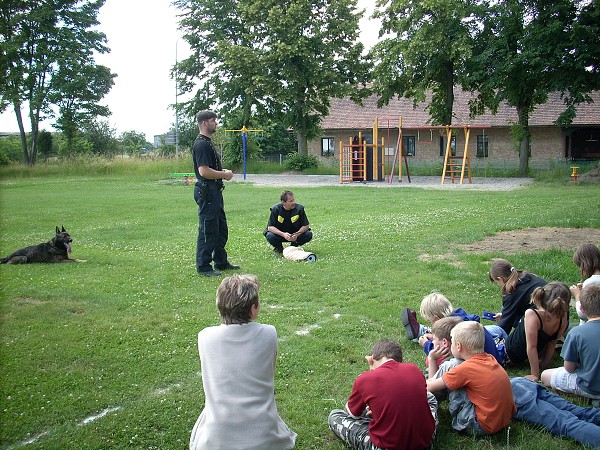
column 57, row 230
column 63, row 228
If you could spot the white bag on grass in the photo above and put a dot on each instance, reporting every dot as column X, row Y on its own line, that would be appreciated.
column 298, row 254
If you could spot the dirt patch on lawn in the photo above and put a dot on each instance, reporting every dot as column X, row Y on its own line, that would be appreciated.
column 529, row 239
column 535, row 239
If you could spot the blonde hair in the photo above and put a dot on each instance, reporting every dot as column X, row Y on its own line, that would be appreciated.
column 470, row 335
column 435, row 305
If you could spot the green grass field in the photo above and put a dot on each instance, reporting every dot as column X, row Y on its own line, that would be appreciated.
column 103, row 354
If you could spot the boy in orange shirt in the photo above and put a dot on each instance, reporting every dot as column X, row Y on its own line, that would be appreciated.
column 481, row 399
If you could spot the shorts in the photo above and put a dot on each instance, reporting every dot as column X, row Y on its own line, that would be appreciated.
column 567, row 382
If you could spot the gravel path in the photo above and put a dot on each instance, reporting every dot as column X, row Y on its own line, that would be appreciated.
column 293, row 180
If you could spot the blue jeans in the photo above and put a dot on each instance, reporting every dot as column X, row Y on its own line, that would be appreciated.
column 535, row 404
column 497, row 332
column 463, row 414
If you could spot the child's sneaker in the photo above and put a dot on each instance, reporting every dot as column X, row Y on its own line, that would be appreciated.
column 410, row 323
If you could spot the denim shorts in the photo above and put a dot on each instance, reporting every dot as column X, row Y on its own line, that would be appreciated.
column 567, row 382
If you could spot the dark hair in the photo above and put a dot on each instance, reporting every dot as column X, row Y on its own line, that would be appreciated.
column 387, row 348
column 285, row 195
column 590, row 300
column 554, row 298
column 587, row 258
column 502, row 268
column 205, row 115
column 235, row 296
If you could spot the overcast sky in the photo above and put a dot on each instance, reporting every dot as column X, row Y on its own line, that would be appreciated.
column 144, row 42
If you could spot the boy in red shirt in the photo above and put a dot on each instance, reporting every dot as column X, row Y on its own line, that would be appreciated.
column 486, row 404
column 389, row 406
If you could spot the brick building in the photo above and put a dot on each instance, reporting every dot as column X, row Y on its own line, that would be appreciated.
column 491, row 143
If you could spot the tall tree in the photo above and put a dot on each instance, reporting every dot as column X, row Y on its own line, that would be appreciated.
column 286, row 58
column 77, row 91
column 101, row 136
column 131, row 142
column 529, row 48
column 424, row 49
column 35, row 36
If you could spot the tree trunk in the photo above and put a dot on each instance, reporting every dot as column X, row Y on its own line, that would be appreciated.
column 34, row 115
column 302, row 142
column 523, row 113
column 449, row 92
column 301, row 133
column 33, row 151
column 22, row 134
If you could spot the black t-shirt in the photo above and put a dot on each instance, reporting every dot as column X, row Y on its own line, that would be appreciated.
column 515, row 304
column 204, row 154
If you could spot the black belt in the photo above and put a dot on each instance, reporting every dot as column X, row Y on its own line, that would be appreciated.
column 211, row 185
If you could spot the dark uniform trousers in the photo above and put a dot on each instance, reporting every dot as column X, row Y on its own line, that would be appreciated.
column 212, row 230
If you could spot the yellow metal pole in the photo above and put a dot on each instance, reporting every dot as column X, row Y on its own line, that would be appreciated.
column 447, row 155
column 467, row 132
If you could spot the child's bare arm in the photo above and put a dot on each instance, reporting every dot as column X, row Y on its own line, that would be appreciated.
column 432, row 359
column 576, row 290
column 531, row 337
column 570, row 366
column 424, row 338
column 436, row 385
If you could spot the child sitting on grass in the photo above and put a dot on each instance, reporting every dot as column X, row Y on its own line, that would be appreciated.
column 389, row 407
column 436, row 306
column 516, row 287
column 534, row 338
column 580, row 374
column 587, row 258
column 481, row 400
column 440, row 358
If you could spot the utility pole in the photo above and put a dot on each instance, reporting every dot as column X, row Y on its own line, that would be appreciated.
column 176, row 105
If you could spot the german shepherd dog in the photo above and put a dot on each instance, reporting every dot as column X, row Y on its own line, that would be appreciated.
column 55, row 250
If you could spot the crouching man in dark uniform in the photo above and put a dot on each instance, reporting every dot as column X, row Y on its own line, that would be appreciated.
column 212, row 230
column 287, row 223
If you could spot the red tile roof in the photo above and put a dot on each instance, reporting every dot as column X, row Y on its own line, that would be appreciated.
column 345, row 114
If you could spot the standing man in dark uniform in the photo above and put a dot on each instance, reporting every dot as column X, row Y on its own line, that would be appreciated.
column 212, row 230
column 287, row 223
